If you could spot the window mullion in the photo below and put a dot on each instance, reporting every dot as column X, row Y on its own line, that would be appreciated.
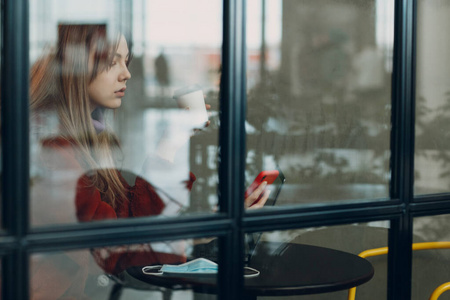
column 402, row 149
column 15, row 145
column 232, row 147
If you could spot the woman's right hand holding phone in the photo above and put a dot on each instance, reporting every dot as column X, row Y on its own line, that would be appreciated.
column 258, row 197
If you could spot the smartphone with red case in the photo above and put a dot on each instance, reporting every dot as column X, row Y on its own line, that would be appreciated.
column 268, row 176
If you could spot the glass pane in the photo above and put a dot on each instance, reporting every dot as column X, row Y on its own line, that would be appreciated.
column 100, row 152
column 320, row 263
column 318, row 93
column 110, row 272
column 431, row 266
column 432, row 97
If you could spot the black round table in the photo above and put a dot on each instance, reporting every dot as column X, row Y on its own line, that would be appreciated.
column 285, row 269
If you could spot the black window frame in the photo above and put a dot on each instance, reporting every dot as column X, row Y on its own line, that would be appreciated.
column 19, row 241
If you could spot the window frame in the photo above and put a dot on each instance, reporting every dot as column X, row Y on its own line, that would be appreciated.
column 19, row 241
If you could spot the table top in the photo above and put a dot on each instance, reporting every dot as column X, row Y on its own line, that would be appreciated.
column 285, row 269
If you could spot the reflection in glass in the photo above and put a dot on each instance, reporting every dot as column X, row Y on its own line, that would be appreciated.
column 430, row 268
column 432, row 98
column 107, row 272
column 287, row 254
column 107, row 138
column 318, row 84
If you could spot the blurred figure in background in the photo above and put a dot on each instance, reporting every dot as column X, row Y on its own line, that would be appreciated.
column 162, row 74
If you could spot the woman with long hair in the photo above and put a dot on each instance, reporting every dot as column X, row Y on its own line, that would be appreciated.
column 73, row 83
column 70, row 89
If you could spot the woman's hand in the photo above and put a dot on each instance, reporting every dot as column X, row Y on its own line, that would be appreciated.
column 258, row 198
column 207, row 123
column 255, row 200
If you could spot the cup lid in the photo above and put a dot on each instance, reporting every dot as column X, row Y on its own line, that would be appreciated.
column 186, row 90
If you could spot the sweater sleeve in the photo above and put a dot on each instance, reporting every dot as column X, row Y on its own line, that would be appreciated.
column 146, row 201
column 114, row 260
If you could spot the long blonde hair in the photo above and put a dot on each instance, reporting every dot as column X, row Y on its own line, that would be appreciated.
column 59, row 82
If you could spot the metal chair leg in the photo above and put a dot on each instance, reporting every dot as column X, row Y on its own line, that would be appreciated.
column 116, row 292
column 167, row 294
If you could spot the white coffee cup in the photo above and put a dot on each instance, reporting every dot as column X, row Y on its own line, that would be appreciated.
column 191, row 98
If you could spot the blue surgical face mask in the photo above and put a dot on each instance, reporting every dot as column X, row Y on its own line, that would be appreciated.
column 196, row 266
column 199, row 265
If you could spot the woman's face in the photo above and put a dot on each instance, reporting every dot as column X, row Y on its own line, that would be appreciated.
column 108, row 87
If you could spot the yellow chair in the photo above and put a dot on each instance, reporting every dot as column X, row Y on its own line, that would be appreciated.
column 416, row 246
column 439, row 290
